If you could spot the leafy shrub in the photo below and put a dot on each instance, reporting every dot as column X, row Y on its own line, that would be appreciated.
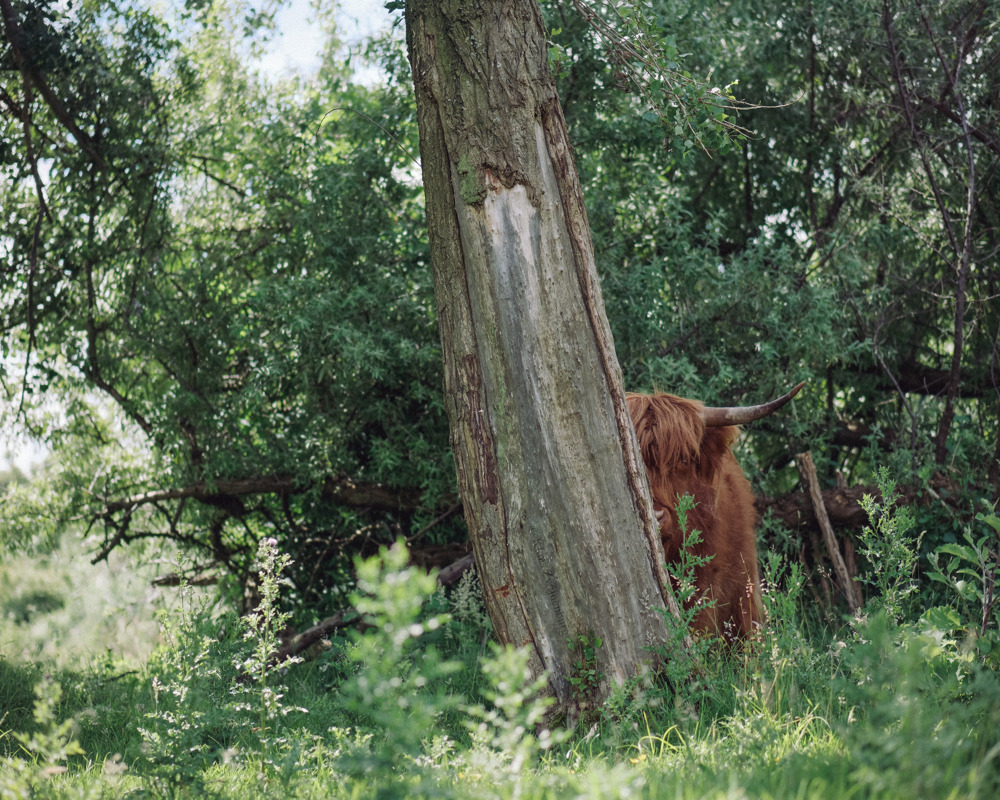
column 585, row 678
column 212, row 700
column 396, row 692
column 508, row 737
column 970, row 571
column 912, row 725
column 43, row 753
column 679, row 663
column 891, row 554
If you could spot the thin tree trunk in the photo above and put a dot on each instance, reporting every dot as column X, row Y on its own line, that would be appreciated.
column 555, row 495
column 962, row 250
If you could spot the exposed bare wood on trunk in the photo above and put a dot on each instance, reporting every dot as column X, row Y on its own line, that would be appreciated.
column 847, row 584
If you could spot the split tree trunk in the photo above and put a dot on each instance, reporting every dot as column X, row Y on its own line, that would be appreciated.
column 555, row 495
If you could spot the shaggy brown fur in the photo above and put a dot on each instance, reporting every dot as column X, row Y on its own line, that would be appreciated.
column 682, row 456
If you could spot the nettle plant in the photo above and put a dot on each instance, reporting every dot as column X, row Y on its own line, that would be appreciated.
column 969, row 568
column 213, row 698
column 586, row 677
column 679, row 662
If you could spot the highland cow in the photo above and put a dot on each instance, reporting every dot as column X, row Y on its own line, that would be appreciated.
column 687, row 449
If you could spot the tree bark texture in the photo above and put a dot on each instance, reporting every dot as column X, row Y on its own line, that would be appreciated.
column 554, row 493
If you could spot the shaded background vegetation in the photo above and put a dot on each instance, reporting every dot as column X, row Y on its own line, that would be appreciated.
column 217, row 308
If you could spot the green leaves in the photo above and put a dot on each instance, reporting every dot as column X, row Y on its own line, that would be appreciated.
column 44, row 752
column 246, row 282
column 970, row 570
column 890, row 550
column 585, row 677
column 398, row 687
column 641, row 45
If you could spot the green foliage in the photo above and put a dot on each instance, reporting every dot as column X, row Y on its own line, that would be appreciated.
column 236, row 295
column 585, row 678
column 56, row 607
column 508, row 736
column 43, row 753
column 970, row 570
column 261, row 629
column 647, row 59
column 680, row 663
column 890, row 551
column 392, row 690
column 190, row 724
column 811, row 251
column 216, row 279
column 241, row 278
column 878, row 713
column 209, row 691
column 397, row 690
column 911, row 720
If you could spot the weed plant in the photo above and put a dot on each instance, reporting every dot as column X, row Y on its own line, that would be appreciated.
column 970, row 569
column 41, row 754
column 396, row 689
column 682, row 666
column 890, row 551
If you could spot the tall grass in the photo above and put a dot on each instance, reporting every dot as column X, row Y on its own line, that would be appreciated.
column 418, row 702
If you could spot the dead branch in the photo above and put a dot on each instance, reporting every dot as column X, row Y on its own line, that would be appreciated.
column 808, row 471
column 349, row 617
column 341, row 490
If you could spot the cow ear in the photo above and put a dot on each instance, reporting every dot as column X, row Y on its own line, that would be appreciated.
column 716, row 446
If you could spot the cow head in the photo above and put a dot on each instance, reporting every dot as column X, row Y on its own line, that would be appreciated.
column 686, row 448
column 682, row 456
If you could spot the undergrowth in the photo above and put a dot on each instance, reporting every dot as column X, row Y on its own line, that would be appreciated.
column 418, row 701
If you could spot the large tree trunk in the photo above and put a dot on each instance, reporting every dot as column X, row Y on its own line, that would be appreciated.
column 555, row 496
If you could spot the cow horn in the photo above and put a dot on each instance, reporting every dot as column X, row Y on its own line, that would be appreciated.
column 740, row 415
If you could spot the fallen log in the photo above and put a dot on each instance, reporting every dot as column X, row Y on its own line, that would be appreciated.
column 321, row 630
column 843, row 506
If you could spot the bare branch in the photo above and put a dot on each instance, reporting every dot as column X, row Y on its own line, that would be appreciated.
column 341, row 490
column 808, row 471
